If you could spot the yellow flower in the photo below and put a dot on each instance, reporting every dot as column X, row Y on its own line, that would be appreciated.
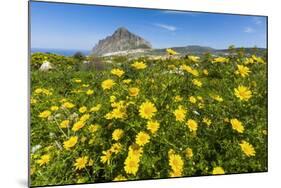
column 77, row 81
column 64, row 124
column 78, row 125
column 247, row 148
column 116, row 148
column 70, row 142
column 193, row 58
column 153, row 126
column 95, row 108
column 85, row 85
column 194, row 72
column 33, row 101
column 243, row 70
column 45, row 159
column 118, row 113
column 197, row 83
column 248, row 61
column 237, row 125
column 192, row 99
column 83, row 109
column 45, row 114
column 189, row 153
column 218, row 170
column 54, row 108
column 188, row 69
column 107, row 84
column 81, row 162
column 217, row 98
column 131, row 165
column 106, row 156
column 171, row 51
column 38, row 90
column 117, row 134
column 134, row 91
column 192, row 125
column 258, row 59
column 201, row 105
column 135, row 151
column 139, row 65
column 207, row 121
column 90, row 92
column 243, row 93
column 119, row 178
column 176, row 163
column 91, row 162
column 47, row 92
column 127, row 81
column 206, row 72
column 142, row 138
column 68, row 105
column 84, row 118
column 175, row 173
column 220, row 60
column 147, row 110
column 93, row 128
column 112, row 98
column 178, row 98
column 180, row 114
column 117, row 72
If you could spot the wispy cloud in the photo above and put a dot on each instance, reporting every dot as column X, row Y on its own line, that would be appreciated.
column 257, row 20
column 249, row 30
column 167, row 27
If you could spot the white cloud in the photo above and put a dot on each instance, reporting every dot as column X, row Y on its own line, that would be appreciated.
column 249, row 30
column 257, row 20
column 167, row 27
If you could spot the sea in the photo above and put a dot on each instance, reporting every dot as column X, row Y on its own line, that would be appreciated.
column 64, row 52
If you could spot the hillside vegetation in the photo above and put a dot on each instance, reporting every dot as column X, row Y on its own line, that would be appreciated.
column 139, row 118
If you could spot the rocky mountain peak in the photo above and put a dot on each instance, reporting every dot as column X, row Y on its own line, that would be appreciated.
column 121, row 40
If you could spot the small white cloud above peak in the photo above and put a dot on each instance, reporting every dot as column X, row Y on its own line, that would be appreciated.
column 249, row 30
column 166, row 27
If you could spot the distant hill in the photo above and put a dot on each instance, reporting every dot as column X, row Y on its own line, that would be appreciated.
column 120, row 40
column 258, row 51
column 194, row 49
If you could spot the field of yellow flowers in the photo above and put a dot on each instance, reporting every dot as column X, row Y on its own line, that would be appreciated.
column 146, row 119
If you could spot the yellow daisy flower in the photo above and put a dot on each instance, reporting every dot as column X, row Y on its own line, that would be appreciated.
column 192, row 125
column 152, row 126
column 147, row 110
column 81, row 162
column 117, row 134
column 107, row 84
column 142, row 138
column 218, row 170
column 237, row 125
column 45, row 159
column 71, row 142
column 247, row 148
column 243, row 93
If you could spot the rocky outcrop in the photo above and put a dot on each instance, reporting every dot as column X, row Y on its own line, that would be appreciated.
column 120, row 40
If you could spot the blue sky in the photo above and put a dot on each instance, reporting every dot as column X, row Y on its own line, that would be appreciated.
column 72, row 26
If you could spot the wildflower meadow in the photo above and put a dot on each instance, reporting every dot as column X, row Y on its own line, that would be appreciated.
column 147, row 118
